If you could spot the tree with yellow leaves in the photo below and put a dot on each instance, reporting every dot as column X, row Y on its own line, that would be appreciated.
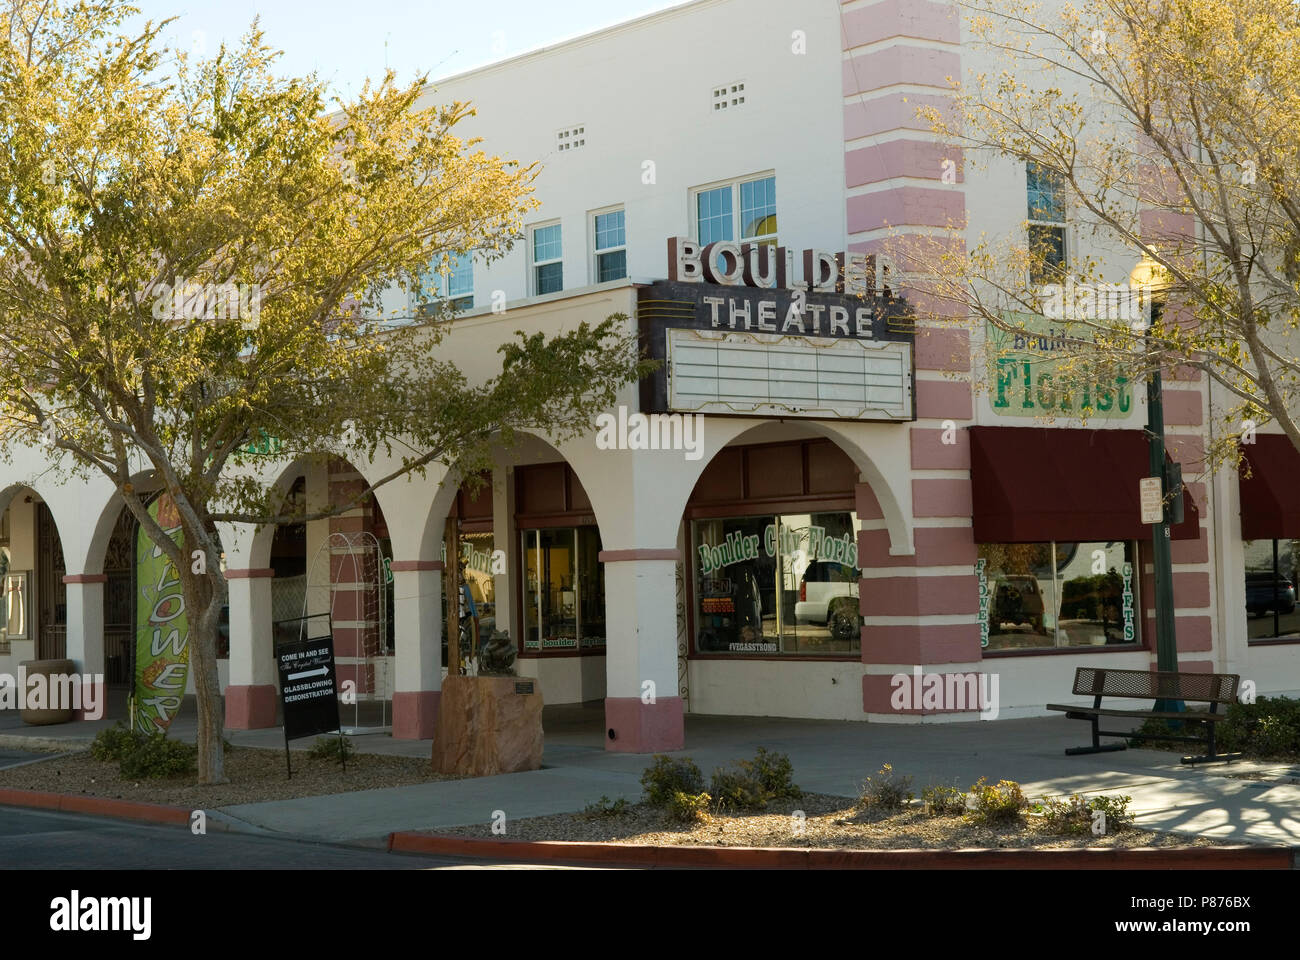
column 1169, row 133
column 193, row 255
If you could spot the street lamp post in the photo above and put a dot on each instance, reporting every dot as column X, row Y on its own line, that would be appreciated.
column 1152, row 276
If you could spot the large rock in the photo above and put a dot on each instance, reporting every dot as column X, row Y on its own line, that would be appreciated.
column 488, row 725
column 39, row 716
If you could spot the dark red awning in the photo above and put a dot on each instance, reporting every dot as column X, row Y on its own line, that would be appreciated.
column 1034, row 484
column 1270, row 497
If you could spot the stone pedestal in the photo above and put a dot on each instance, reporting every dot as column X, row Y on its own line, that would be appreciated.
column 488, row 725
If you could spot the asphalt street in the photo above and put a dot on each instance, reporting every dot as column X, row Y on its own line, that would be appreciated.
column 42, row 840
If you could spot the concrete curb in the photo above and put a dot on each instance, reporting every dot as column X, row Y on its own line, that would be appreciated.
column 792, row 858
column 103, row 807
column 51, row 745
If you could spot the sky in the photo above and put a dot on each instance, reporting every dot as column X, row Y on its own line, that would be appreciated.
column 346, row 41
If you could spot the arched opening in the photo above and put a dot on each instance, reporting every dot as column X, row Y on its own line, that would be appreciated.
column 33, row 600
column 330, row 576
column 120, row 565
column 769, row 588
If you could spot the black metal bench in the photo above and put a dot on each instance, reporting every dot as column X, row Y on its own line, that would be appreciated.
column 1211, row 688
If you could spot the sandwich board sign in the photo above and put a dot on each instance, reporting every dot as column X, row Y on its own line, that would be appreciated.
column 308, row 692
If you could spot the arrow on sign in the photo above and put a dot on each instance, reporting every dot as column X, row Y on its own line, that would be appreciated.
column 318, row 672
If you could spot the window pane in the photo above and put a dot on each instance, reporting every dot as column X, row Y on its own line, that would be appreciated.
column 1046, row 253
column 460, row 277
column 591, row 588
column 609, row 230
column 550, row 598
column 1096, row 608
column 1271, row 588
column 476, row 557
column 550, row 278
column 1019, row 577
column 758, row 208
column 1046, row 194
column 821, row 548
column 777, row 585
column 546, row 243
column 713, row 214
column 611, row 266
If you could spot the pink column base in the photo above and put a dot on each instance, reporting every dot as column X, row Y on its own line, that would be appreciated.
column 250, row 707
column 638, row 727
column 100, row 695
column 415, row 714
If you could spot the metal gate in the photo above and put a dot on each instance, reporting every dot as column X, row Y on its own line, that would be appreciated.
column 345, row 582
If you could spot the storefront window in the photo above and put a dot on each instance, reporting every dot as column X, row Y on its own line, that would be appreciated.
column 564, row 589
column 778, row 585
column 1035, row 595
column 1271, row 588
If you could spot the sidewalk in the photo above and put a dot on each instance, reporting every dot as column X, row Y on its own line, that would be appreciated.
column 828, row 756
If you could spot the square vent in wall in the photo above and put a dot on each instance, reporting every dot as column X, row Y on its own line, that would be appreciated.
column 729, row 95
column 571, row 138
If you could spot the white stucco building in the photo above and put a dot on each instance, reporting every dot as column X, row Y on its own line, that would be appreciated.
column 713, row 574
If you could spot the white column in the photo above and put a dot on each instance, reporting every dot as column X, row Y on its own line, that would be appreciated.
column 642, row 707
column 85, row 638
column 251, row 693
column 417, row 602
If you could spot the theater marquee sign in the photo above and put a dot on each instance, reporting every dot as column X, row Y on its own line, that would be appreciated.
column 739, row 336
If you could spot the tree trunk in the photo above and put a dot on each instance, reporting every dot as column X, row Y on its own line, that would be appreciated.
column 206, row 593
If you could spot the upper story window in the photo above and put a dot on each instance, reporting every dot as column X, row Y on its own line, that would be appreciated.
column 610, row 245
column 547, row 252
column 741, row 210
column 453, row 283
column 1045, row 195
column 458, row 282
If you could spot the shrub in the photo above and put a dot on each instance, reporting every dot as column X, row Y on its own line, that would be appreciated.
column 885, row 791
column 154, row 755
column 114, row 743
column 1000, row 803
column 1076, row 814
column 688, row 808
column 1269, row 728
column 774, row 774
column 736, row 790
column 943, row 800
column 769, row 776
column 604, row 807
column 337, row 749
column 1152, row 729
column 667, row 776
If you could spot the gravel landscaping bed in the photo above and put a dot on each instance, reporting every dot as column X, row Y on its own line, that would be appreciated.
column 830, row 822
column 255, row 774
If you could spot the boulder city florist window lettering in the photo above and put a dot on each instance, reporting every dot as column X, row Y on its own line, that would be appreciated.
column 738, row 547
column 56, row 691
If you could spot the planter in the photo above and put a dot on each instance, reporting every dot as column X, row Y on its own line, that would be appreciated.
column 46, row 669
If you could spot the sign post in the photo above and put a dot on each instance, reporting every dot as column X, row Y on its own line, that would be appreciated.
column 308, row 691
